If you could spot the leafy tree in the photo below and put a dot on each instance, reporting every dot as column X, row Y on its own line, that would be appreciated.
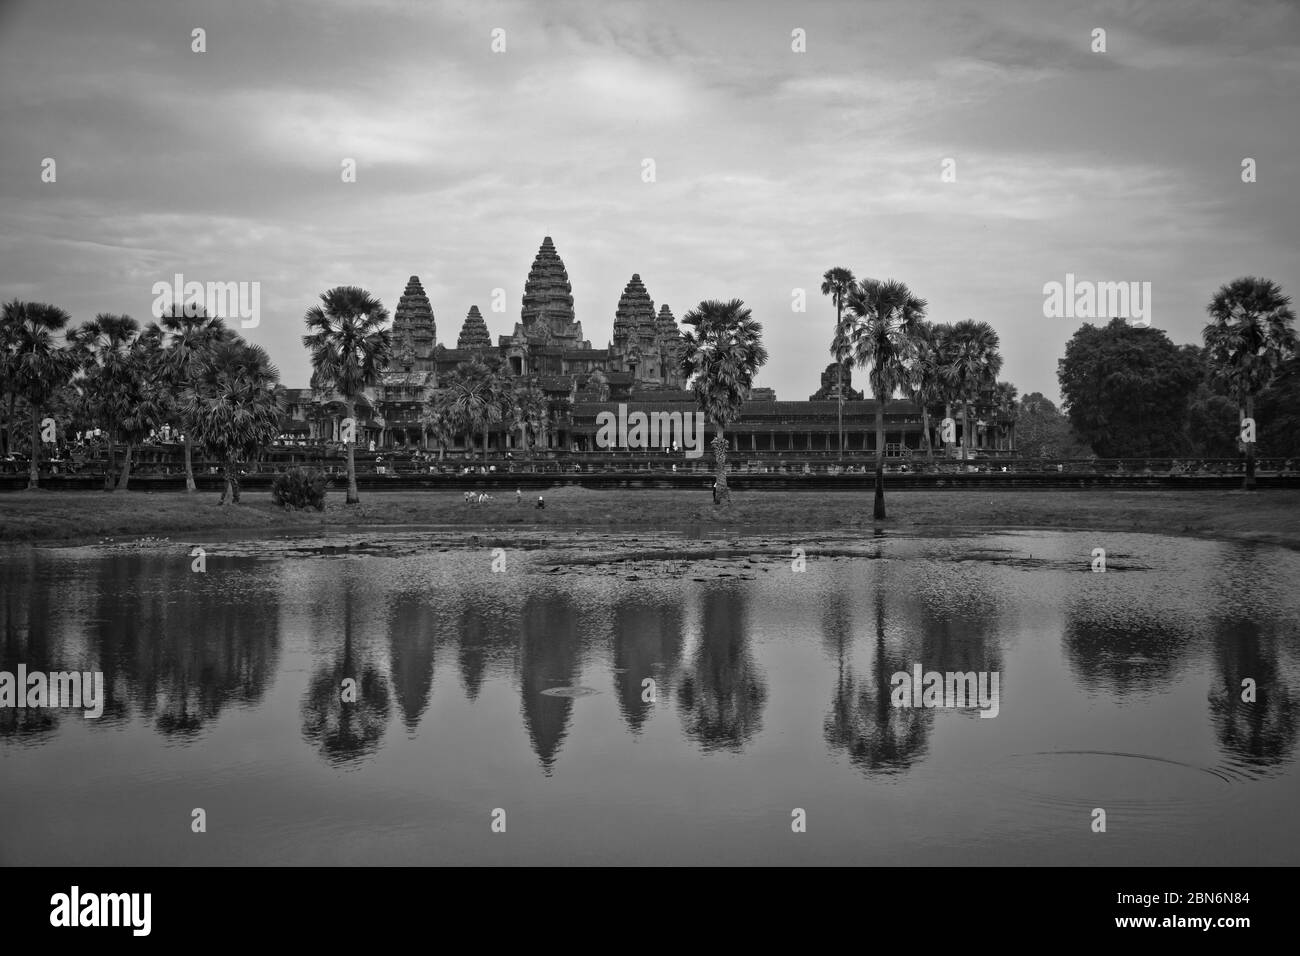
column 234, row 406
column 721, row 353
column 1127, row 389
column 1278, row 408
column 1043, row 432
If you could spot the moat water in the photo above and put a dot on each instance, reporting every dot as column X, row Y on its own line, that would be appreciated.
column 655, row 699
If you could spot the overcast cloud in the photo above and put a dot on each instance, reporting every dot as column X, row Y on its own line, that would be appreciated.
column 771, row 165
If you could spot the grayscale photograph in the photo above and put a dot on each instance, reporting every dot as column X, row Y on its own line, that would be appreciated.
column 648, row 434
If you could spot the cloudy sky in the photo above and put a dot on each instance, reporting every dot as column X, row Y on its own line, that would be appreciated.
column 770, row 165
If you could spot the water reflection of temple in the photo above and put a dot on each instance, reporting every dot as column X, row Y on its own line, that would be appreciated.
column 179, row 650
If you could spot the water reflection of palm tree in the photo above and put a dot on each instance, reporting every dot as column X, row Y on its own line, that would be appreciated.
column 721, row 693
column 962, row 633
column 346, row 731
column 1120, row 652
column 214, row 651
column 1262, row 733
column 876, row 736
column 647, row 642
column 550, row 656
column 178, row 644
column 25, row 612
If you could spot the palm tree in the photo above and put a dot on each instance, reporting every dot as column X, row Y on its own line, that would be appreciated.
column 473, row 399
column 189, row 342
column 1248, row 336
column 925, row 381
column 527, row 410
column 437, row 422
column 40, row 364
column 721, row 354
column 836, row 283
column 147, row 398
column 944, row 356
column 1007, row 399
column 349, row 349
column 9, row 371
column 972, row 367
column 234, row 406
column 884, row 318
column 104, row 344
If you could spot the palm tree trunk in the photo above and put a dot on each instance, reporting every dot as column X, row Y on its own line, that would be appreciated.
column 10, row 421
column 1249, row 483
column 839, row 398
column 878, row 510
column 839, row 373
column 190, row 486
column 111, row 468
column 948, row 447
column 485, row 441
column 228, row 490
column 34, row 467
column 352, row 497
column 965, row 430
column 126, row 467
column 720, row 468
column 925, row 425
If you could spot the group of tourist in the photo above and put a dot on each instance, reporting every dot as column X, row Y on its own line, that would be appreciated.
column 482, row 497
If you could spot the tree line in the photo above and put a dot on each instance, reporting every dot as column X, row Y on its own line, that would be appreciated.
column 128, row 380
column 1128, row 391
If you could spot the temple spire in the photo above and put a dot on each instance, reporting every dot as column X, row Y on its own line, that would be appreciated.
column 474, row 333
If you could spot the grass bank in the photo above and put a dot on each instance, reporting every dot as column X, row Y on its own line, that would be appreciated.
column 43, row 517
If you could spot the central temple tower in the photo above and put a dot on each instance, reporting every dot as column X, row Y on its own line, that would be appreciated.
column 547, row 317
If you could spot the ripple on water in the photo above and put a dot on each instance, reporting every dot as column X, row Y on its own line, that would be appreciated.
column 1137, row 785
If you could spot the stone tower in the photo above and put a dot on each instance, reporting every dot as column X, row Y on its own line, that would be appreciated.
column 645, row 344
column 547, row 316
column 634, row 319
column 830, row 389
column 415, row 332
column 670, row 346
column 474, row 333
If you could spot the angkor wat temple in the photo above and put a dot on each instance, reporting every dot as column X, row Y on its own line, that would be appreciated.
column 638, row 367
